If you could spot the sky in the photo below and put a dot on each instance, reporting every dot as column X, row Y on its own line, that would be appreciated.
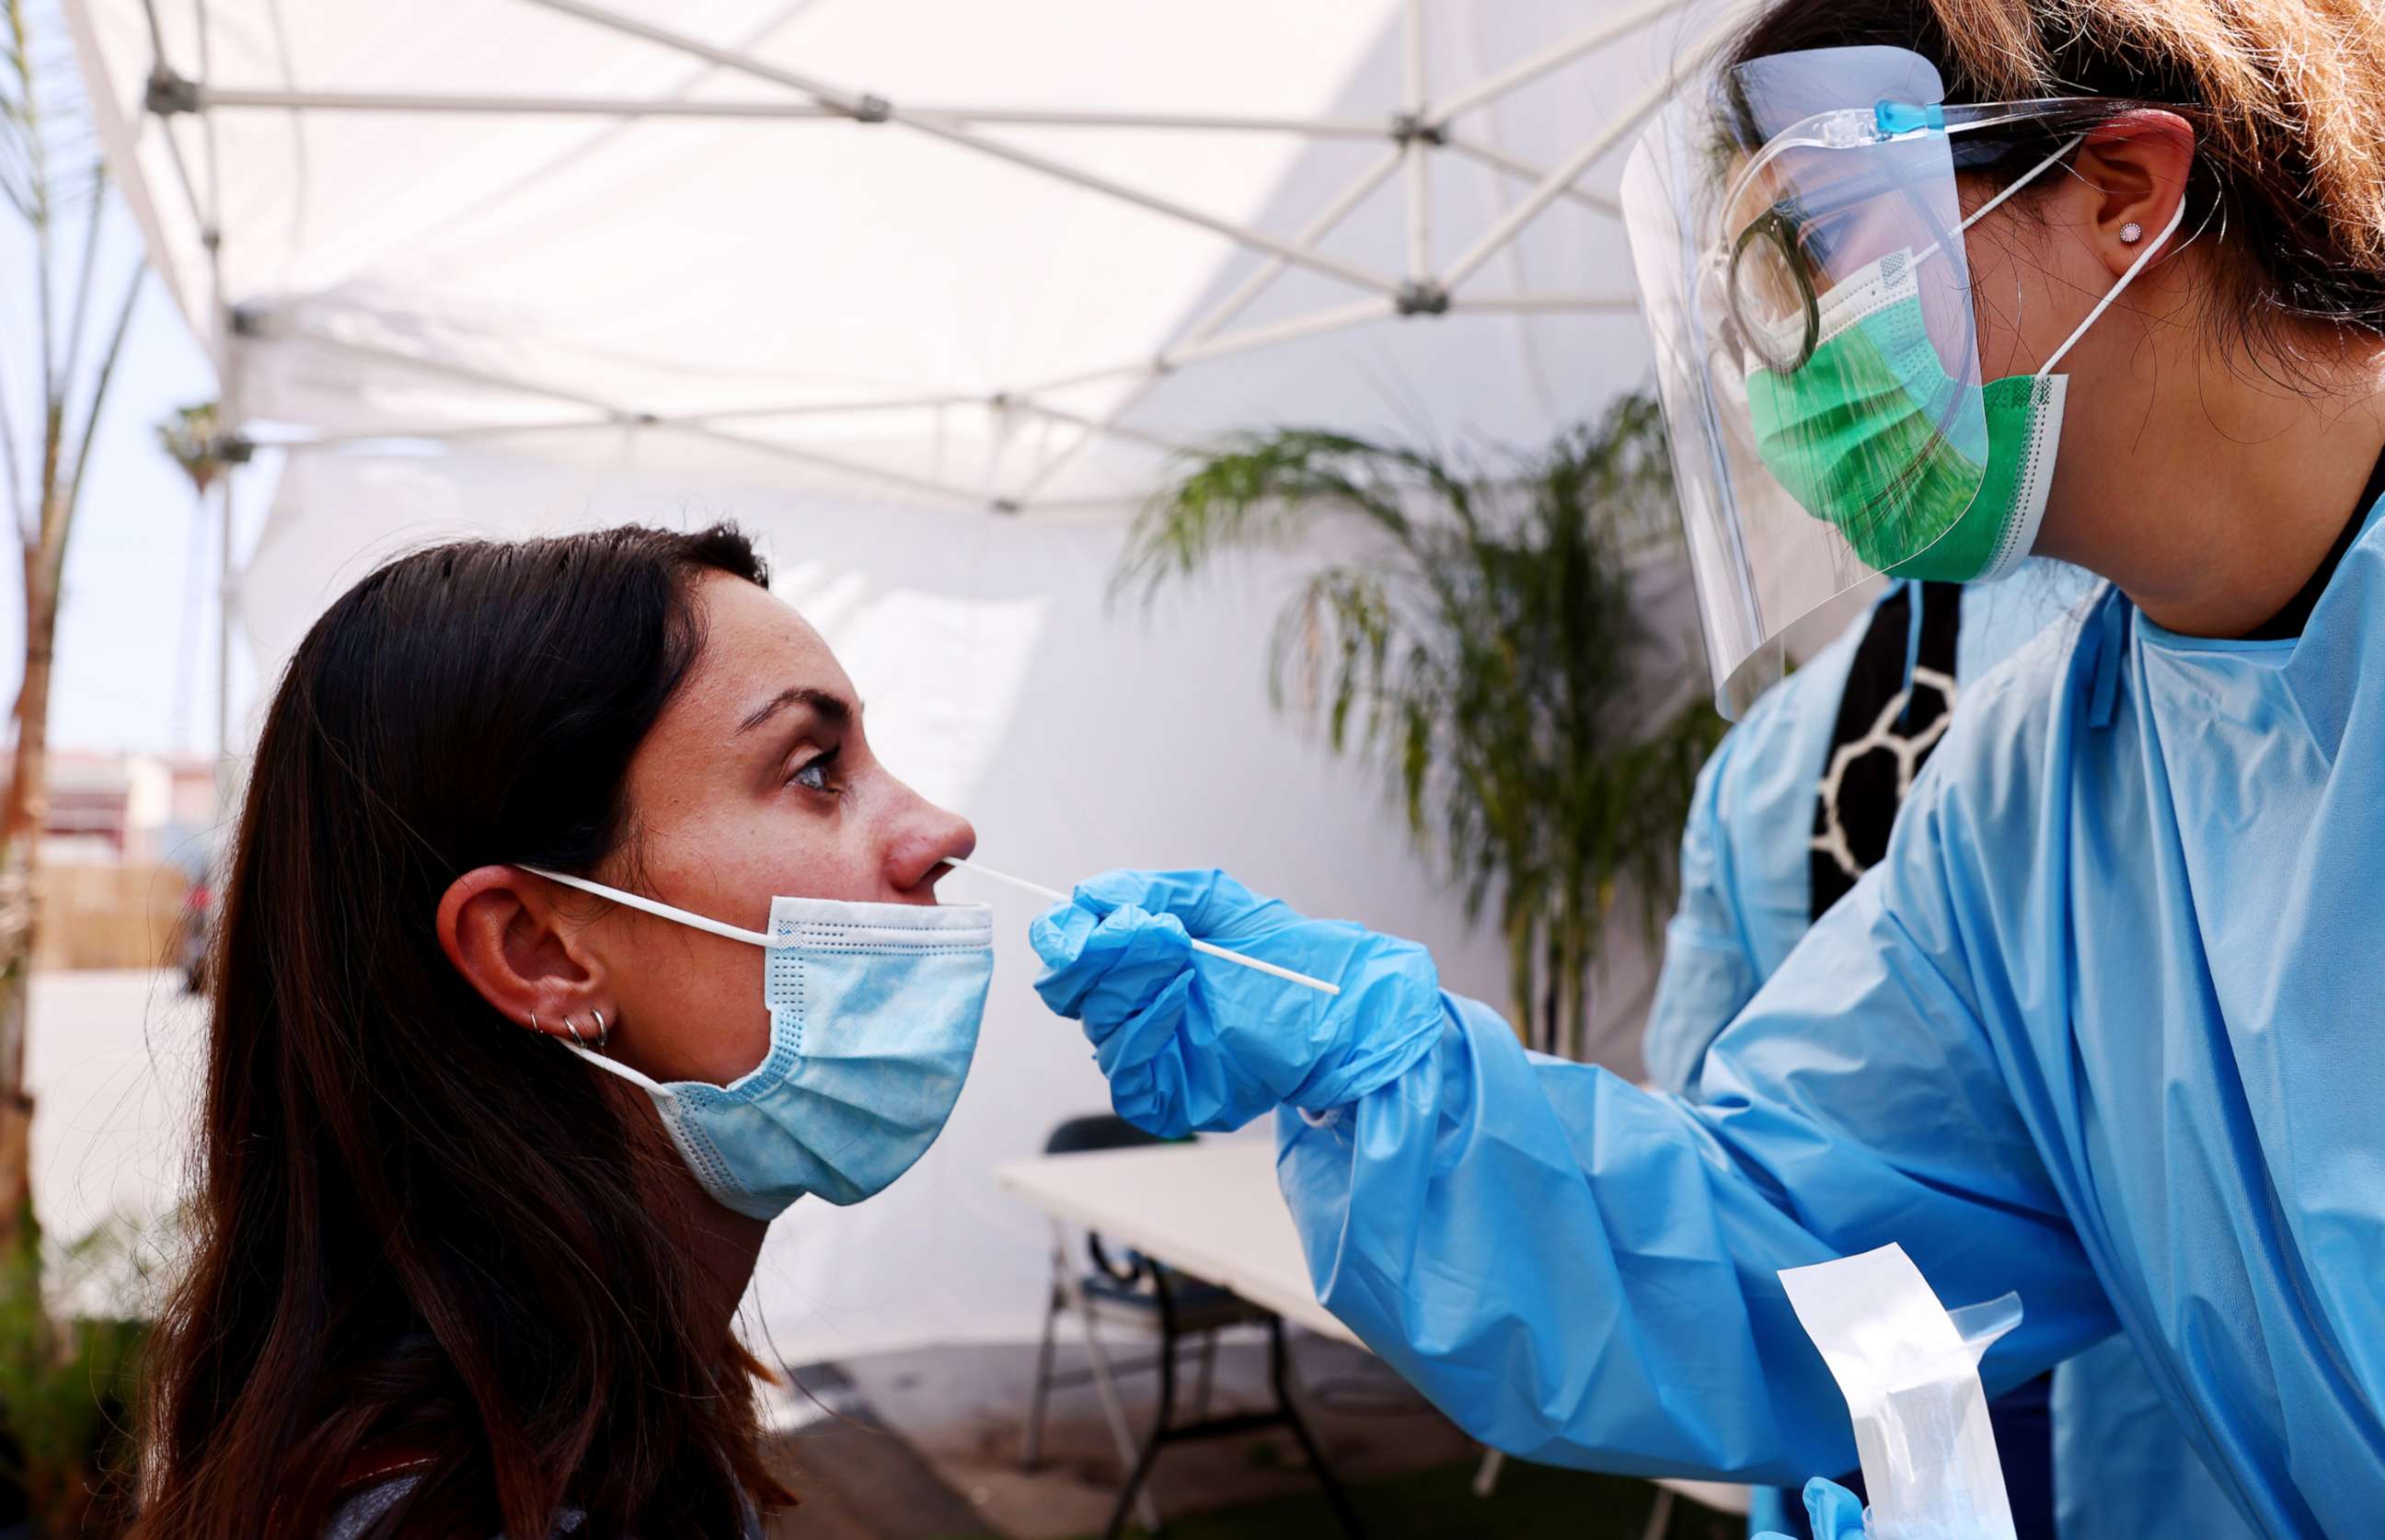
column 136, row 659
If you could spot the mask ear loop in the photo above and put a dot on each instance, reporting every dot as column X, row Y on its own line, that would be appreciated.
column 612, row 1066
column 1997, row 202
column 2176, row 217
column 657, row 908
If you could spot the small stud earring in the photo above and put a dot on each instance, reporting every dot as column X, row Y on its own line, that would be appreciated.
column 2132, row 232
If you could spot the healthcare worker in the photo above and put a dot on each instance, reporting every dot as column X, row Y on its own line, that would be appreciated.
column 1934, row 285
column 1794, row 806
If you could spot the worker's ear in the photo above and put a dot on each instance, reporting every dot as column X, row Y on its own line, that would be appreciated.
column 2130, row 177
column 499, row 926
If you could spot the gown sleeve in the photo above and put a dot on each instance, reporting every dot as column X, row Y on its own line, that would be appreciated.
column 1707, row 976
column 1582, row 1273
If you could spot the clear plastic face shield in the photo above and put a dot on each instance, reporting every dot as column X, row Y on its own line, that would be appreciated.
column 1798, row 239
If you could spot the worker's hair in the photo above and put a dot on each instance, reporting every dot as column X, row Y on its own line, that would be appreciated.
column 422, row 1237
column 2287, row 98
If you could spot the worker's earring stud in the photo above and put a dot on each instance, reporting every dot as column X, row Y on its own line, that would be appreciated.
column 2132, row 232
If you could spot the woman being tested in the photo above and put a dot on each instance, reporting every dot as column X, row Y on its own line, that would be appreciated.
column 1934, row 285
column 487, row 1154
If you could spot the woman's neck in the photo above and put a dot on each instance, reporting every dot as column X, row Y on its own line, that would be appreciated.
column 724, row 1245
column 2226, row 493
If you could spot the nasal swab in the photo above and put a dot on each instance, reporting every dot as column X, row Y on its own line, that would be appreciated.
column 1054, row 895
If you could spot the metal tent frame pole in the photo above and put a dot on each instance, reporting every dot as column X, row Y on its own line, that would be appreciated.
column 868, row 108
column 204, row 97
column 1420, row 127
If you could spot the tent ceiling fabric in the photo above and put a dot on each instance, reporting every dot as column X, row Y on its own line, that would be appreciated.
column 438, row 220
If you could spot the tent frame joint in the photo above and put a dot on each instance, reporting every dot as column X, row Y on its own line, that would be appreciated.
column 170, row 95
column 1414, row 128
column 1422, row 297
column 232, row 449
column 871, row 108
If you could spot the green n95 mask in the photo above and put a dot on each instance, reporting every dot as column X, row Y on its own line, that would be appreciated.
column 1853, row 434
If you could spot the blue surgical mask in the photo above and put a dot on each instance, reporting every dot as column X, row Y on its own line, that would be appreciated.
column 874, row 1016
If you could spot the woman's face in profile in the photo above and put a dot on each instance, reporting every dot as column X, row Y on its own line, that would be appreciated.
column 757, row 780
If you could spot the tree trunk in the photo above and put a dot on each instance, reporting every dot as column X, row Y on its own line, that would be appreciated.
column 1553, row 996
column 25, row 814
column 1520, row 975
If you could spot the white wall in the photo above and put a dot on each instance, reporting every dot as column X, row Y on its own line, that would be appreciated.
column 999, row 681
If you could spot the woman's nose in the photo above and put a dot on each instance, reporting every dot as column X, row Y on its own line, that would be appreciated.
column 928, row 834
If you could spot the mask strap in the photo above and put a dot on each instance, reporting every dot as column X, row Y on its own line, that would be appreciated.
column 2176, row 217
column 1997, row 202
column 658, row 909
column 639, row 1078
column 661, row 911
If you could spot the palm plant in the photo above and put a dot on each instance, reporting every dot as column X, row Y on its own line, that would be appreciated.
column 1483, row 645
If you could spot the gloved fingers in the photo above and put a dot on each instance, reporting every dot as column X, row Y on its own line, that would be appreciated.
column 1103, row 969
column 1211, row 904
column 1059, row 934
column 1835, row 1513
column 1140, row 1033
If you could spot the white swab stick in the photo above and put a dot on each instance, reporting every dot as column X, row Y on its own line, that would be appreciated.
column 1054, row 894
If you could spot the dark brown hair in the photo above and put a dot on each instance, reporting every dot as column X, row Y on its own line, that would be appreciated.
column 2288, row 98
column 421, row 1232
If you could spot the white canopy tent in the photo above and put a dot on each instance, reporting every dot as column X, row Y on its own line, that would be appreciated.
column 923, row 292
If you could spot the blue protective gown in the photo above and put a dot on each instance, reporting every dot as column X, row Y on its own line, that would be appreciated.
column 2122, row 1466
column 2103, row 1028
column 1745, row 898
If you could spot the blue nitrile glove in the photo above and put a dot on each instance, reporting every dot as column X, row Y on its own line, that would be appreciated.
column 1835, row 1513
column 1192, row 1042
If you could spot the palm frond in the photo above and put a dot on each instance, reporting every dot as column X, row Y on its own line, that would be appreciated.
column 1257, row 491
column 1485, row 651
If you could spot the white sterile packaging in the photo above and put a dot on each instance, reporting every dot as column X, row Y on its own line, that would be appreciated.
column 1910, row 1372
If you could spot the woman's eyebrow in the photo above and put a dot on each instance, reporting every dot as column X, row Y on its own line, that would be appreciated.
column 832, row 708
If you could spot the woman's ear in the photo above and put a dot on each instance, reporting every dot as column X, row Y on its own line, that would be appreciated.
column 2131, row 177
column 498, row 926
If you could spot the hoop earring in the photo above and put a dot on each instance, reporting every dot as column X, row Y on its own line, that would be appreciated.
column 604, row 1033
column 2132, row 232
column 576, row 1035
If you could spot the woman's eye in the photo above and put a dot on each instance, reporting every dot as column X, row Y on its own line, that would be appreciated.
column 814, row 774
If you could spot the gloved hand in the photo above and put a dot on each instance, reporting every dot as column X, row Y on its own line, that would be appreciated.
column 1835, row 1513
column 1192, row 1042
